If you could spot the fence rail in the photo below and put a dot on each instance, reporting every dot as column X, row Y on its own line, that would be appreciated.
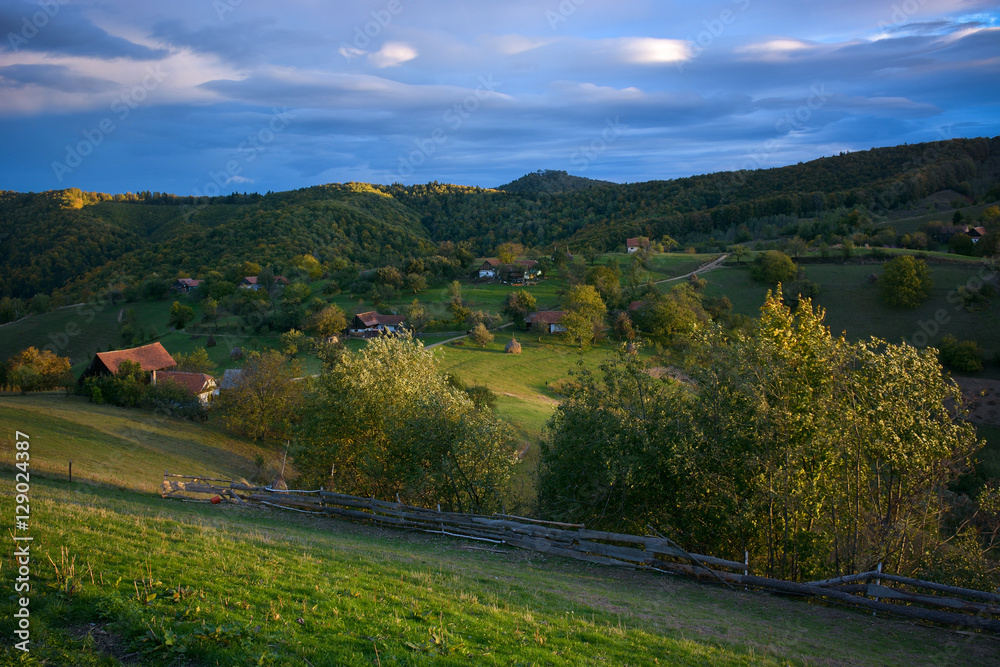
column 932, row 602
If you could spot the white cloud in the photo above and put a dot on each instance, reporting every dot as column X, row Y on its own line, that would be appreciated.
column 392, row 54
column 649, row 50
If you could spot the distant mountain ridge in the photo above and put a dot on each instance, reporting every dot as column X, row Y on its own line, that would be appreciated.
column 74, row 243
column 550, row 181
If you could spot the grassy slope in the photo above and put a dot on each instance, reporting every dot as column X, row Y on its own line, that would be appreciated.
column 411, row 598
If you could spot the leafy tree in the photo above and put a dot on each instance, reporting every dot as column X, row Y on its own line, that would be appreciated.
column 197, row 361
column 773, row 267
column 480, row 335
column 32, row 370
column 584, row 314
column 819, row 456
column 962, row 244
column 384, row 421
column 518, row 305
column 668, row 318
column 209, row 309
column 329, row 321
column 266, row 398
column 416, row 315
column 180, row 315
column 905, row 282
column 415, row 282
column 607, row 280
column 740, row 252
column 797, row 247
column 508, row 252
column 293, row 342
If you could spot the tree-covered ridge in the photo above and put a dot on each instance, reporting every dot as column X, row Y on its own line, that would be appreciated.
column 70, row 240
column 550, row 181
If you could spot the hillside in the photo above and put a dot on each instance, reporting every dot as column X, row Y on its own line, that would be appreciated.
column 71, row 243
column 142, row 580
column 550, row 181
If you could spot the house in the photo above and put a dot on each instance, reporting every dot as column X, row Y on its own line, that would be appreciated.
column 252, row 282
column 185, row 285
column 372, row 323
column 632, row 245
column 490, row 267
column 524, row 270
column 549, row 321
column 198, row 385
column 151, row 358
column 976, row 233
column 636, row 305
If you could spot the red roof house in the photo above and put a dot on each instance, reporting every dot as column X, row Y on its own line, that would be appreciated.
column 199, row 385
column 547, row 320
column 371, row 323
column 152, row 357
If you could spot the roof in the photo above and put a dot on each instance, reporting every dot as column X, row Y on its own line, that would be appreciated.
column 189, row 282
column 527, row 263
column 636, row 305
column 250, row 280
column 230, row 377
column 636, row 242
column 977, row 231
column 546, row 317
column 492, row 261
column 152, row 357
column 194, row 383
column 372, row 319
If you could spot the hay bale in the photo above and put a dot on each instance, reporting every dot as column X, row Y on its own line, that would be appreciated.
column 513, row 347
column 236, row 354
column 211, row 341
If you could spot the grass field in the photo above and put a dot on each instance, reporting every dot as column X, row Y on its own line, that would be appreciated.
column 135, row 579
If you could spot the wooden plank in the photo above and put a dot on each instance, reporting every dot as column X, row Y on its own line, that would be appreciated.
column 954, row 590
column 540, row 521
column 877, row 590
column 621, row 553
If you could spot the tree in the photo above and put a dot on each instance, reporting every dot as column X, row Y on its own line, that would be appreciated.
column 197, row 361
column 818, row 455
column 384, row 421
column 962, row 244
column 740, row 252
column 266, row 398
column 293, row 342
column 964, row 356
column 179, row 315
column 209, row 309
column 416, row 315
column 667, row 318
column 584, row 314
column 797, row 246
column 905, row 282
column 480, row 335
column 773, row 267
column 508, row 252
column 329, row 321
column 518, row 305
column 32, row 370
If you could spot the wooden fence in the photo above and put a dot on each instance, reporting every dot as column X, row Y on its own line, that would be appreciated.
column 911, row 598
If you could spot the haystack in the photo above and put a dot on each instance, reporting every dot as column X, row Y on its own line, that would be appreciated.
column 513, row 347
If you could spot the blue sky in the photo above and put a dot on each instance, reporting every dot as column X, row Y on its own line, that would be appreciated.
column 216, row 96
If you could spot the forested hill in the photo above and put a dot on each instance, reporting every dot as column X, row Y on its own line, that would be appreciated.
column 69, row 241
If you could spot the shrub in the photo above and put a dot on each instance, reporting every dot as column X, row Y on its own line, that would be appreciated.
column 772, row 267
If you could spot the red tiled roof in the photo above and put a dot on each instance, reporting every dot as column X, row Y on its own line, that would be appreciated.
column 373, row 319
column 546, row 317
column 527, row 263
column 636, row 305
column 369, row 319
column 492, row 262
column 194, row 383
column 250, row 280
column 391, row 320
column 152, row 357
column 189, row 282
column 636, row 242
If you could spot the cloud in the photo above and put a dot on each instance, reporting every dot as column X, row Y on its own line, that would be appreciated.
column 392, row 54
column 64, row 29
column 56, row 77
column 648, row 50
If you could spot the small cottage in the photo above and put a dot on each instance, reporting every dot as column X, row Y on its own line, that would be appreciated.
column 198, row 385
column 185, row 285
column 549, row 321
column 372, row 323
column 151, row 358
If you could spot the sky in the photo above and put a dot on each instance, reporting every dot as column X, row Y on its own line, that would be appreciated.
column 209, row 97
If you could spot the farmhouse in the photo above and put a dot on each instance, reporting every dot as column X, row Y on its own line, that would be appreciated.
column 372, row 323
column 490, row 267
column 199, row 385
column 633, row 245
column 549, row 321
column 253, row 282
column 151, row 358
column 185, row 285
column 976, row 233
column 524, row 270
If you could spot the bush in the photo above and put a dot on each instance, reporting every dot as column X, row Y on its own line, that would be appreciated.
column 905, row 282
column 965, row 356
column 772, row 267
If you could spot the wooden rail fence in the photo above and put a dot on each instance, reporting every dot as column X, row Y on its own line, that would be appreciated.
column 931, row 602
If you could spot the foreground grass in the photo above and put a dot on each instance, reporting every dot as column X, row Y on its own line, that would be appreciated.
column 164, row 583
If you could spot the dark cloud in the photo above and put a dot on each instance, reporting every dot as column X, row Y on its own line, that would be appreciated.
column 56, row 77
column 55, row 27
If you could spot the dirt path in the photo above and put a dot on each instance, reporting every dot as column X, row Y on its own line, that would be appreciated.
column 714, row 264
